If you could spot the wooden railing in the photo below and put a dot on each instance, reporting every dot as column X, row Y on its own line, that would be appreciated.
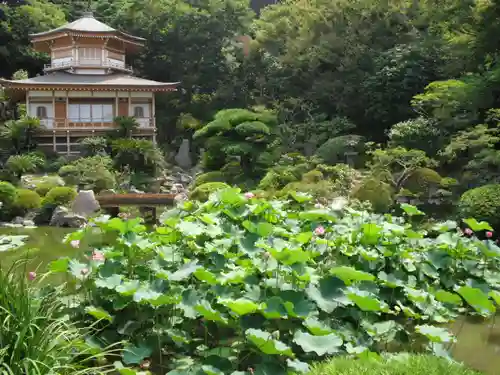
column 84, row 123
column 86, row 63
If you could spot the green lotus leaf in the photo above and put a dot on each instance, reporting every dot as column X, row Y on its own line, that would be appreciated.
column 210, row 370
column 329, row 295
column 59, row 265
column 111, row 282
column 435, row 334
column 122, row 370
column 296, row 303
column 274, row 308
column 209, row 313
column 348, row 274
column 266, row 344
column 317, row 215
column 390, row 280
column 133, row 355
column 98, row 313
column 300, row 197
column 191, row 229
column 145, row 293
column 448, row 297
column 298, row 366
column 321, row 345
column 79, row 270
column 206, row 276
column 411, row 210
column 477, row 226
column 303, row 237
column 366, row 301
column 316, row 327
column 289, row 256
column 496, row 296
column 128, row 288
column 185, row 271
column 477, row 299
column 240, row 306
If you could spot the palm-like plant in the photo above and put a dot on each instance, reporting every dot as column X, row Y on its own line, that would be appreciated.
column 126, row 126
column 21, row 164
column 18, row 134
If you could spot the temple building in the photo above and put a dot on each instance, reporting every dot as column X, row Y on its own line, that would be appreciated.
column 86, row 85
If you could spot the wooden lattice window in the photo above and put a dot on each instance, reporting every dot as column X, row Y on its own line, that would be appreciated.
column 41, row 111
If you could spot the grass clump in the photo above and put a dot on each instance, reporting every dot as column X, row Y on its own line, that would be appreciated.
column 403, row 364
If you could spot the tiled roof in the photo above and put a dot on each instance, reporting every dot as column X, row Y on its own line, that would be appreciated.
column 69, row 79
column 87, row 24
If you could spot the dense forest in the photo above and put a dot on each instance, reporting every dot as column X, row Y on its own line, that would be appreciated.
column 410, row 89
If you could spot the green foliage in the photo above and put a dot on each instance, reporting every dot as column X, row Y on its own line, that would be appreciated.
column 402, row 364
column 213, row 176
column 423, row 181
column 419, row 133
column 92, row 146
column 43, row 188
column 203, row 191
column 313, row 176
column 35, row 336
column 481, row 203
column 22, row 164
column 60, row 196
column 335, row 150
column 27, row 200
column 240, row 281
column 93, row 172
column 7, row 193
column 126, row 126
column 378, row 193
column 17, row 135
column 137, row 155
column 238, row 134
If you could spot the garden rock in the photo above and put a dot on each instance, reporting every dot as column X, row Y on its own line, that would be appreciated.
column 62, row 217
column 18, row 220
column 85, row 203
column 183, row 157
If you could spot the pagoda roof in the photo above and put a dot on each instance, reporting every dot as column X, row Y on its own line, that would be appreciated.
column 87, row 25
column 70, row 81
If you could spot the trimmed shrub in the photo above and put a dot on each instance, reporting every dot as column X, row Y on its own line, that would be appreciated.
column 318, row 189
column 214, row 176
column 60, row 196
column 423, row 180
column 482, row 203
column 7, row 193
column 27, row 200
column 403, row 364
column 92, row 146
column 202, row 192
column 45, row 187
column 378, row 193
column 91, row 173
column 313, row 176
column 333, row 151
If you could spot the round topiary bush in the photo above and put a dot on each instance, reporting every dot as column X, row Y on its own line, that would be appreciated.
column 202, row 192
column 7, row 193
column 60, row 196
column 482, row 203
column 423, row 180
column 313, row 176
column 26, row 200
column 213, row 176
column 45, row 187
column 378, row 193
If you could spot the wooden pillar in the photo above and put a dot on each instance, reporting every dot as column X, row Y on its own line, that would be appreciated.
column 67, row 111
column 129, row 104
column 153, row 111
column 117, row 104
column 28, row 103
column 53, row 109
column 67, row 143
column 54, row 141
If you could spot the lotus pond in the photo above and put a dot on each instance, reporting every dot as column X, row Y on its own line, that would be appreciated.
column 478, row 340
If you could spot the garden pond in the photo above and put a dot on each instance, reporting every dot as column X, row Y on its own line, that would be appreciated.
column 478, row 340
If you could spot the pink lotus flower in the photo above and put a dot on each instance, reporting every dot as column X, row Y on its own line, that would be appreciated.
column 98, row 256
column 489, row 234
column 249, row 195
column 75, row 244
column 319, row 231
column 468, row 231
column 32, row 276
column 84, row 271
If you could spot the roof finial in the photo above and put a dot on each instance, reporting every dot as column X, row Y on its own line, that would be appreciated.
column 88, row 13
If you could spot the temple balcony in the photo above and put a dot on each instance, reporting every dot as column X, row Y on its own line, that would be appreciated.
column 71, row 63
column 49, row 124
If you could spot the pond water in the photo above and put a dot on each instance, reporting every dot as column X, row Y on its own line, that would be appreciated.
column 478, row 343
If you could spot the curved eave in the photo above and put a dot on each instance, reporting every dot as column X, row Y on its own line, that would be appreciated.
column 42, row 42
